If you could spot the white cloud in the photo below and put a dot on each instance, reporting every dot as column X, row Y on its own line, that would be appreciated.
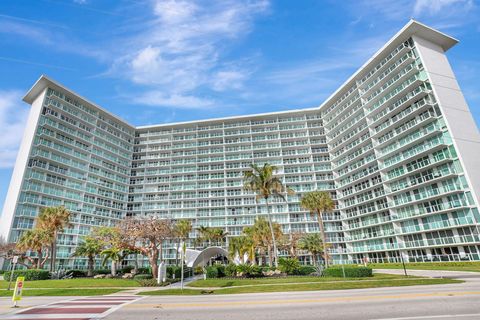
column 184, row 47
column 13, row 117
column 158, row 98
column 432, row 7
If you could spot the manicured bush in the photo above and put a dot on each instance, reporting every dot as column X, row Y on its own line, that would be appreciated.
column 30, row 275
column 350, row 272
column 142, row 277
column 211, row 272
column 249, row 271
column 220, row 270
column 231, row 270
column 76, row 273
column 144, row 270
column 289, row 266
column 174, row 270
column 126, row 269
column 306, row 270
column 198, row 270
column 102, row 271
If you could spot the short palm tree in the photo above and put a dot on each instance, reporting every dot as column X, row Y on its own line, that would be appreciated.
column 318, row 203
column 263, row 182
column 53, row 220
column 36, row 240
column 89, row 248
column 312, row 243
column 181, row 230
column 113, row 254
column 242, row 246
column 261, row 236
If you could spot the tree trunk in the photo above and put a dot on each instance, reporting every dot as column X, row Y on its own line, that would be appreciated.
column 153, row 258
column 324, row 240
column 114, row 268
column 90, row 266
column 52, row 251
column 274, row 256
column 135, row 263
column 39, row 259
column 269, row 252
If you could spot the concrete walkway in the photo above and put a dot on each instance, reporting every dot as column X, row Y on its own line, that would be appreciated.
column 462, row 275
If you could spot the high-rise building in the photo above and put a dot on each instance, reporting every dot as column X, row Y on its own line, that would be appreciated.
column 395, row 145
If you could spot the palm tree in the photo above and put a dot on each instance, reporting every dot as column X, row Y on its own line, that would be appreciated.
column 114, row 254
column 318, row 203
column 35, row 240
column 218, row 235
column 313, row 244
column 242, row 246
column 181, row 231
column 53, row 220
column 89, row 248
column 261, row 236
column 205, row 234
column 263, row 182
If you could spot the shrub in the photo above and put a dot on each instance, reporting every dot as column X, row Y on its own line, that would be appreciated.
column 249, row 271
column 126, row 269
column 231, row 270
column 306, row 270
column 144, row 270
column 142, row 277
column 220, row 270
column 198, row 270
column 211, row 272
column 351, row 272
column 76, row 273
column 102, row 271
column 289, row 265
column 30, row 275
column 174, row 270
column 147, row 282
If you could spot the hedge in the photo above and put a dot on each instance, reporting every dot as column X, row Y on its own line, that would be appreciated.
column 306, row 270
column 30, row 275
column 350, row 272
column 211, row 272
column 174, row 270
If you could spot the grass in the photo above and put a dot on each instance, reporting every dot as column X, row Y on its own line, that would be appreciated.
column 222, row 283
column 308, row 286
column 61, row 292
column 449, row 266
column 76, row 283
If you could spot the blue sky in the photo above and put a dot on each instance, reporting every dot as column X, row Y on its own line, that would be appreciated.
column 155, row 61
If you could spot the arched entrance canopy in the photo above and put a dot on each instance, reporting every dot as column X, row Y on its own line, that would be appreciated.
column 196, row 258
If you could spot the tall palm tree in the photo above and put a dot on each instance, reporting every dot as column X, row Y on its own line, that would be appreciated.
column 181, row 231
column 54, row 220
column 89, row 248
column 113, row 254
column 263, row 182
column 313, row 244
column 35, row 240
column 318, row 203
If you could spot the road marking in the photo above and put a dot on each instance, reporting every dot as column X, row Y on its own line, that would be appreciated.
column 435, row 317
column 299, row 301
column 80, row 308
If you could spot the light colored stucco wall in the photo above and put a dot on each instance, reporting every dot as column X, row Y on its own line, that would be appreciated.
column 16, row 181
column 459, row 120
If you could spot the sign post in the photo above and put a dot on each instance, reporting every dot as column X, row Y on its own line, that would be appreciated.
column 14, row 263
column 17, row 293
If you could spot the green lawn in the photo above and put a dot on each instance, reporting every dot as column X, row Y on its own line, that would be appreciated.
column 308, row 286
column 222, row 283
column 76, row 283
column 449, row 266
column 61, row 292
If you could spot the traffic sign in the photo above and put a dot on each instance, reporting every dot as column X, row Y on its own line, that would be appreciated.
column 17, row 293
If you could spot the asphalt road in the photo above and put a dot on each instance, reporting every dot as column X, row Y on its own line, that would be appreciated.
column 453, row 301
